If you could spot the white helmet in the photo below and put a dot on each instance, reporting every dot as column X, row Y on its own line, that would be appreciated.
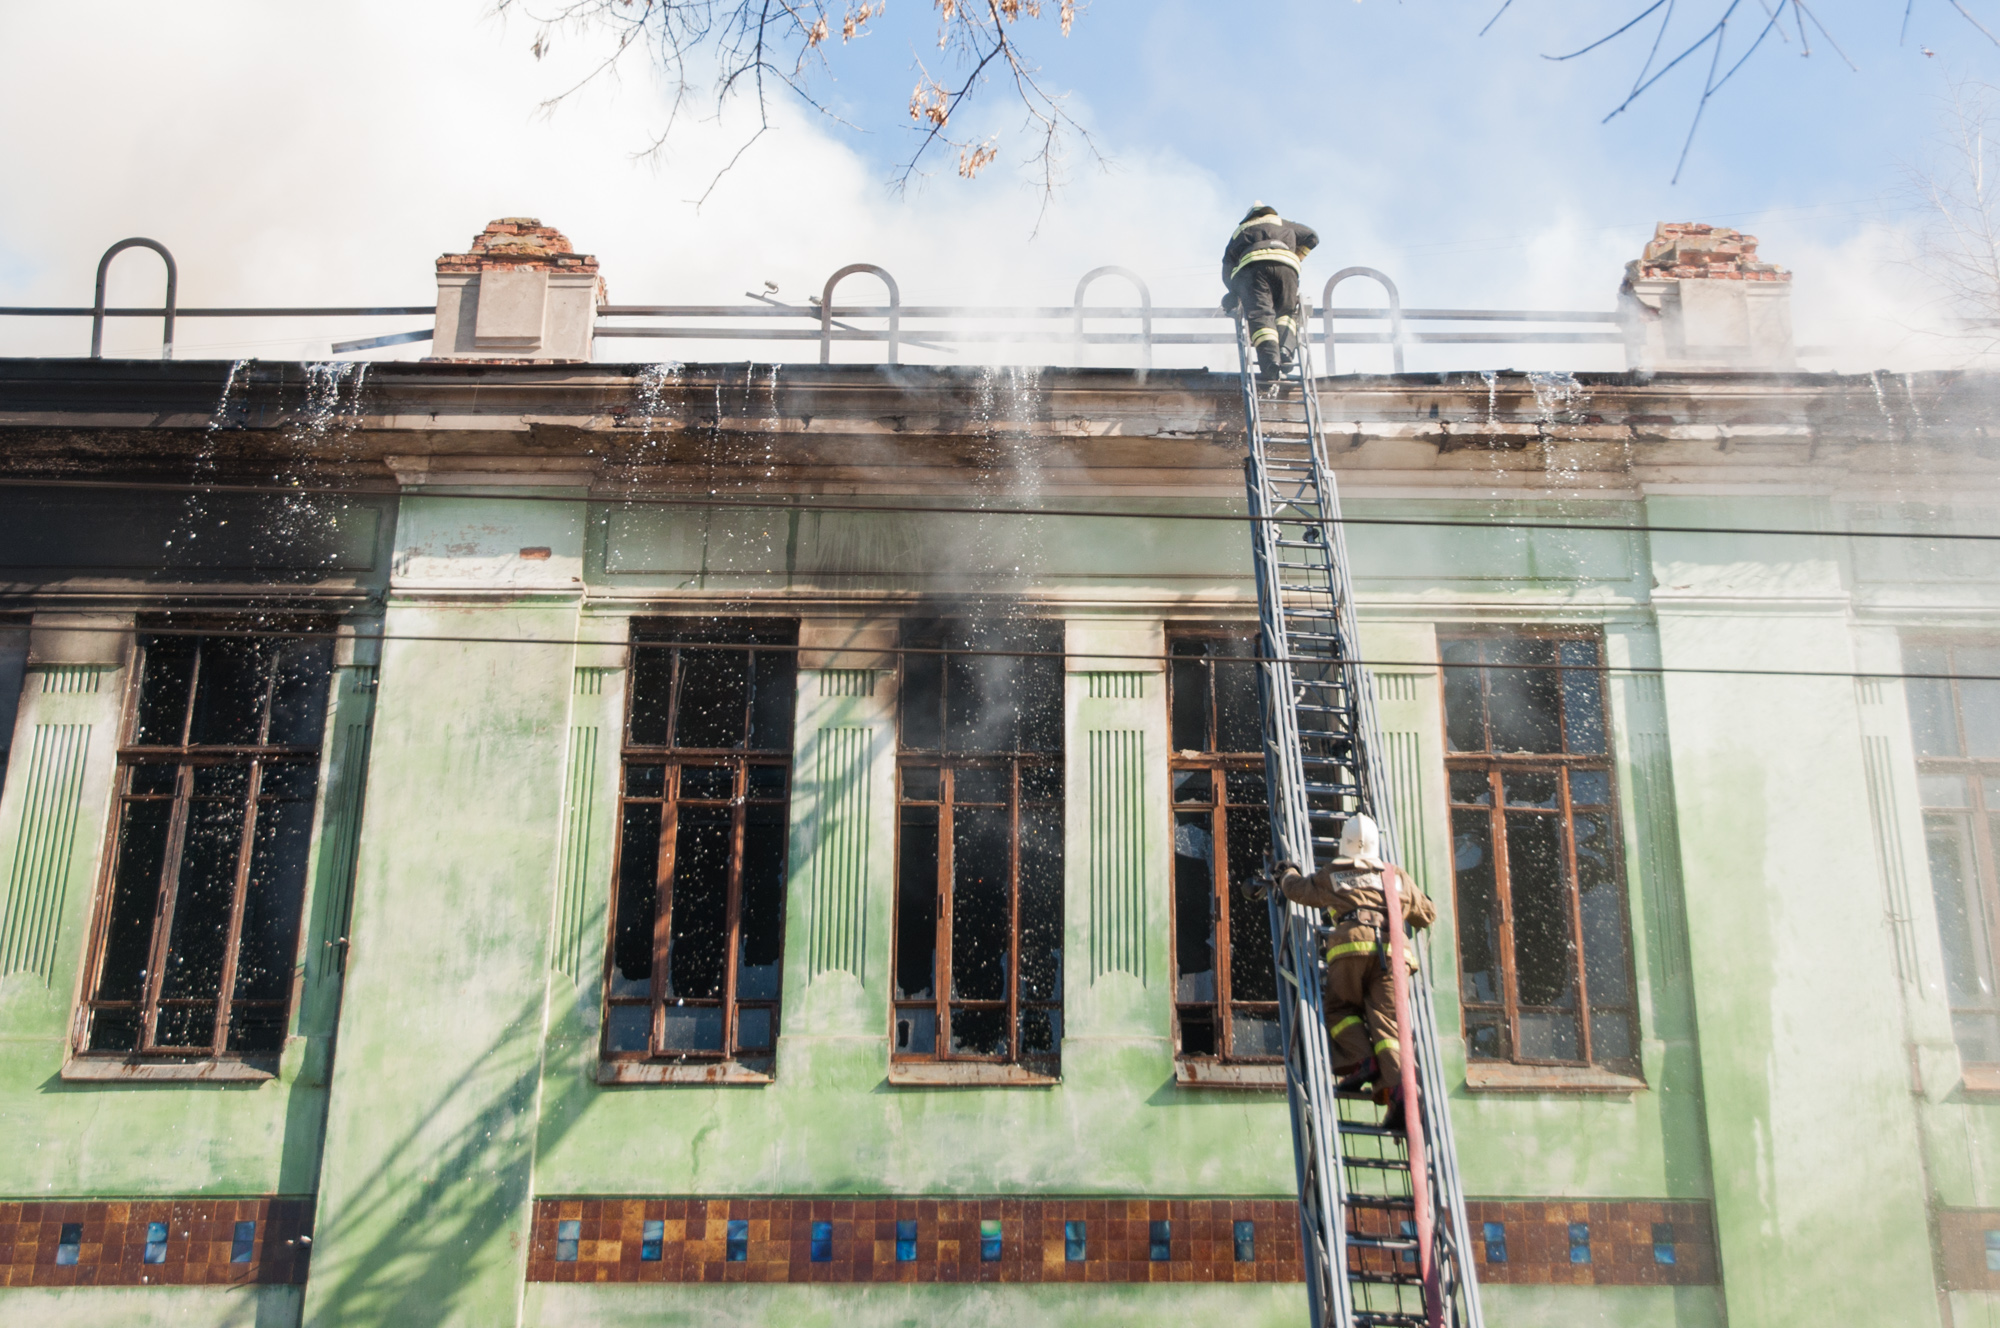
column 1361, row 840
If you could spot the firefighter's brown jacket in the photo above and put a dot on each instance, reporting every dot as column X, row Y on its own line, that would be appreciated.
column 1351, row 893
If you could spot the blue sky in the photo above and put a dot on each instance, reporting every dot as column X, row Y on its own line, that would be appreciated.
column 311, row 152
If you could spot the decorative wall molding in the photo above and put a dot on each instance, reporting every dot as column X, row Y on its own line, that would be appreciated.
column 1115, row 686
column 776, row 1240
column 578, row 867
column 1117, row 859
column 44, row 849
column 842, row 790
column 112, row 1245
column 847, row 682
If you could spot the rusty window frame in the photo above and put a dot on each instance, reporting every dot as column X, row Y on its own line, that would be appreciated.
column 1236, row 797
column 757, row 778
column 1030, row 780
column 1476, row 781
column 186, row 757
column 1975, row 1022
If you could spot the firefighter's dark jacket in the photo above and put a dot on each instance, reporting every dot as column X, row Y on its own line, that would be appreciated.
column 1267, row 238
column 1353, row 896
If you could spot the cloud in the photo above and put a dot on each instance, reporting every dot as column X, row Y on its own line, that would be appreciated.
column 294, row 154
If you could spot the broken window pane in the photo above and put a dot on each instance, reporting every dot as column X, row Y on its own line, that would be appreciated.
column 980, row 842
column 166, row 674
column 1523, row 702
column 1978, row 699
column 1933, row 715
column 698, row 952
column 1224, row 989
column 704, row 842
column 230, row 691
column 638, row 868
column 1583, row 699
column 1464, row 699
column 1188, row 685
column 1512, row 863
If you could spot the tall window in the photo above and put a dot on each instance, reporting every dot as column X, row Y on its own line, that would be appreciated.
column 979, row 899
column 1956, row 727
column 1225, row 995
column 1544, row 944
column 697, row 928
column 198, row 922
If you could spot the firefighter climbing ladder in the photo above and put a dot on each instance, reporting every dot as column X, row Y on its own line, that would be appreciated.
column 1382, row 1217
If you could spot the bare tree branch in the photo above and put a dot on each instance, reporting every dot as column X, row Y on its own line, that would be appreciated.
column 754, row 51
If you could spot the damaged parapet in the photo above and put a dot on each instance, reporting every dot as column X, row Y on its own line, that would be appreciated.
column 1699, row 299
column 519, row 295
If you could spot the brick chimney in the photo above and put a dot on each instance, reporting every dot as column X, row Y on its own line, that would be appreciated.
column 1698, row 298
column 521, row 294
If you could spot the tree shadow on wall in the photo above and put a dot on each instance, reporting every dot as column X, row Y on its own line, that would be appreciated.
column 445, row 1203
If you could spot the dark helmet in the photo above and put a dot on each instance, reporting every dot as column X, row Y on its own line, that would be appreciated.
column 1258, row 210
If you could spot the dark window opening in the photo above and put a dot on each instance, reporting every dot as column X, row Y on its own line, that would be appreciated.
column 652, row 1239
column 906, row 1241
column 1955, row 727
column 1663, row 1242
column 822, row 1242
column 1494, row 1234
column 198, row 922
column 698, row 914
column 1544, row 944
column 1579, row 1242
column 1160, row 1241
column 569, row 1234
column 69, row 1244
column 979, row 896
column 243, row 1243
column 1225, row 991
column 156, row 1242
column 736, row 1242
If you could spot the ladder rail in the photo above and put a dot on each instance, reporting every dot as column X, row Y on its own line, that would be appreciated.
column 1316, row 694
column 1308, row 1077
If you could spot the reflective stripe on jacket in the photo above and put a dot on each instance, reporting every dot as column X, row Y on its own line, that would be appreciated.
column 1360, row 920
column 1267, row 238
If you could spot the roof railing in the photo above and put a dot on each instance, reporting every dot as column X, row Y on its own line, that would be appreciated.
column 939, row 328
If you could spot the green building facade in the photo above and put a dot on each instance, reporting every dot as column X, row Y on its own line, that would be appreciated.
column 562, row 1030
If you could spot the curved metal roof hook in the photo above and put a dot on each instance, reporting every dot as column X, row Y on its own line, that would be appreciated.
column 1145, row 313
column 173, row 289
column 1395, row 312
column 826, row 309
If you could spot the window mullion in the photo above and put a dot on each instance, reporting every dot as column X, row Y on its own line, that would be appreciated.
column 239, row 896
column 948, row 777
column 168, row 896
column 194, row 689
column 1503, row 894
column 1014, row 910
column 1218, row 889
column 1575, row 892
column 663, row 907
column 733, row 914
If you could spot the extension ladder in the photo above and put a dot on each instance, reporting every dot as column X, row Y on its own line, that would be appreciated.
column 1381, row 1213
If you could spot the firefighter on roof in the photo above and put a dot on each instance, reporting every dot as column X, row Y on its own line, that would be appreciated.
column 1261, row 269
column 1360, row 996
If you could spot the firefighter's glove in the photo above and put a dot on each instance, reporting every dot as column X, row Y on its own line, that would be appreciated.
column 1230, row 303
column 1288, row 878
